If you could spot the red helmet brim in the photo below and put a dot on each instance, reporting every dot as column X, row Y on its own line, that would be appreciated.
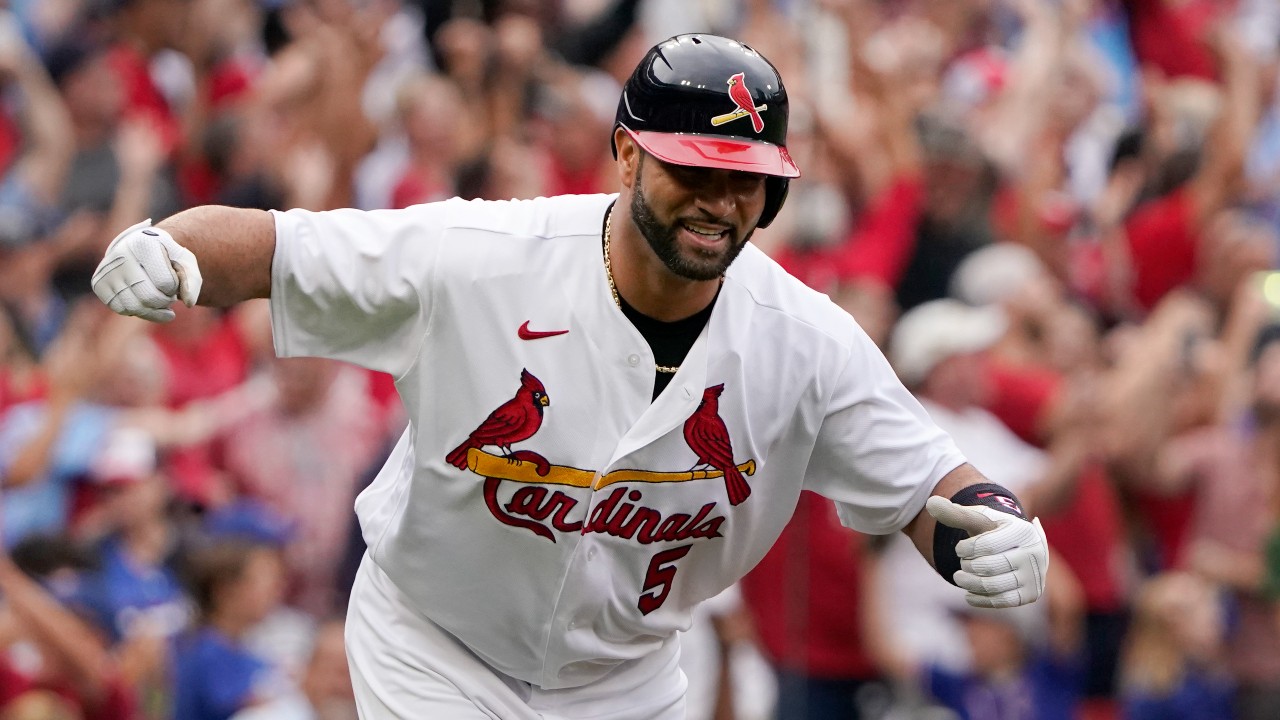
column 715, row 151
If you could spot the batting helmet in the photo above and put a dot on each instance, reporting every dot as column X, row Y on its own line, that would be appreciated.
column 708, row 101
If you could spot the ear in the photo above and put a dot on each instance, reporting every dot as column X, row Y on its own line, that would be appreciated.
column 628, row 157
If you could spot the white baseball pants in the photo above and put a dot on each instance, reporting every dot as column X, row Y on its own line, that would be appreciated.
column 404, row 667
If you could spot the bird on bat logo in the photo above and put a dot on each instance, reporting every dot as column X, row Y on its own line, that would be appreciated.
column 747, row 107
column 514, row 421
column 708, row 438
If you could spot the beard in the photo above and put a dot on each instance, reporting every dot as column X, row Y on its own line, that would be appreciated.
column 690, row 264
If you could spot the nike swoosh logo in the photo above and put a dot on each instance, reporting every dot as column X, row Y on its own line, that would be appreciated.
column 526, row 334
column 985, row 495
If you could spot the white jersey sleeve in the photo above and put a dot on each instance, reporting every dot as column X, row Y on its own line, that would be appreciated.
column 878, row 454
column 355, row 285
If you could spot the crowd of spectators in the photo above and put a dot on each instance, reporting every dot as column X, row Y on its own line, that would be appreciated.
column 1057, row 218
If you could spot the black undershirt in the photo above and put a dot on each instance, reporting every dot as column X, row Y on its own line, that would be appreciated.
column 668, row 341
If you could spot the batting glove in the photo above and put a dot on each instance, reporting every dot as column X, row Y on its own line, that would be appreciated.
column 1003, row 561
column 144, row 271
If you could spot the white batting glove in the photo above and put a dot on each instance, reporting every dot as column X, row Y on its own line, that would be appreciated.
column 144, row 271
column 1003, row 562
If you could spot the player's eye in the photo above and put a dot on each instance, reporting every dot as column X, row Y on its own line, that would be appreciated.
column 689, row 176
column 746, row 183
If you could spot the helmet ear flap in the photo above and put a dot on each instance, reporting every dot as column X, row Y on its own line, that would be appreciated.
column 775, row 192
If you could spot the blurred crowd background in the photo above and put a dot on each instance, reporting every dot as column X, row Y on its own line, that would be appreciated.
column 1057, row 217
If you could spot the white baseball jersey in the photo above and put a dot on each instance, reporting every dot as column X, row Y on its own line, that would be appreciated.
column 540, row 507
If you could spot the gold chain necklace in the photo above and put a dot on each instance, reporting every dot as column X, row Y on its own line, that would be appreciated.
column 613, row 289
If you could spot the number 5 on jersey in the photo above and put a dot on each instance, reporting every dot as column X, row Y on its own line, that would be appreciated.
column 657, row 582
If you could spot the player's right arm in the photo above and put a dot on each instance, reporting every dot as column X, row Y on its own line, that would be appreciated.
column 212, row 254
column 346, row 284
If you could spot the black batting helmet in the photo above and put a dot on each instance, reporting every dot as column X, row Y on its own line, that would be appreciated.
column 709, row 101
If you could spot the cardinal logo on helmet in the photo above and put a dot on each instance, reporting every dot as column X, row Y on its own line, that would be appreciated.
column 747, row 107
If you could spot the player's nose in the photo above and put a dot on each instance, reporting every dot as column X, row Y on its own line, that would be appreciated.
column 716, row 197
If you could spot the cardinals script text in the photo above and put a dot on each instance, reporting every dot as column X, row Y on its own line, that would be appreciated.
column 619, row 515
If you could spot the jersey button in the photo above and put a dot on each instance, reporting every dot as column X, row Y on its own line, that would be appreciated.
column 591, row 554
column 633, row 360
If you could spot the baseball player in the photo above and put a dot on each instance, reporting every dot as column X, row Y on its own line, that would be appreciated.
column 614, row 400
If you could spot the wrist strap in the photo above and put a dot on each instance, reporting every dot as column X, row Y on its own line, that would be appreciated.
column 946, row 537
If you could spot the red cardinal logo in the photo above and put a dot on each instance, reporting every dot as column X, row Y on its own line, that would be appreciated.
column 709, row 439
column 514, row 421
column 741, row 97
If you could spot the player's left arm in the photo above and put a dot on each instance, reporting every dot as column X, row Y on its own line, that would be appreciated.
column 880, row 457
column 977, row 536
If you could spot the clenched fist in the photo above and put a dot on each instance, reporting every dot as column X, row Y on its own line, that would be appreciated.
column 1004, row 560
column 144, row 271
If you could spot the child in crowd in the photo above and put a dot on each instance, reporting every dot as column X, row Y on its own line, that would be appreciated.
column 1174, row 645
column 236, row 582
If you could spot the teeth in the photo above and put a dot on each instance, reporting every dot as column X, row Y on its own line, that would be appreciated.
column 704, row 233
